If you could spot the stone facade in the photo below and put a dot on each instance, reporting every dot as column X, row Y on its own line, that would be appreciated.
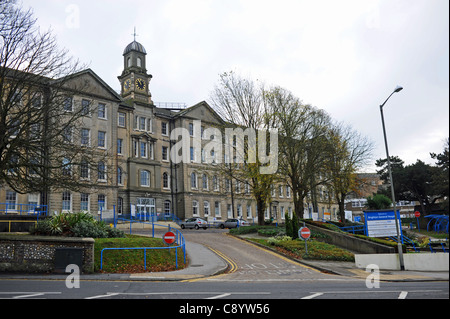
column 140, row 176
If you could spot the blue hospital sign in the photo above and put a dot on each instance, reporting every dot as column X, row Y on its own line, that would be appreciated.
column 381, row 224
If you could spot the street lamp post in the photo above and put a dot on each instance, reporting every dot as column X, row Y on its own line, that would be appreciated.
column 399, row 243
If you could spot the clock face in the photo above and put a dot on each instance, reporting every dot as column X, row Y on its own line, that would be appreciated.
column 127, row 85
column 140, row 84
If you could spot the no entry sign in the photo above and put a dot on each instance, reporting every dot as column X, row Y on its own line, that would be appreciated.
column 304, row 233
column 169, row 238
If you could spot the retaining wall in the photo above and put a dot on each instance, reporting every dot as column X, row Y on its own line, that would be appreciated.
column 412, row 261
column 351, row 243
column 28, row 254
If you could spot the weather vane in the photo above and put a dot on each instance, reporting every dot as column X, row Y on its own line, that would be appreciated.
column 134, row 34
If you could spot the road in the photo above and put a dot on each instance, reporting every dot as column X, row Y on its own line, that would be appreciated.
column 325, row 289
column 252, row 263
column 255, row 275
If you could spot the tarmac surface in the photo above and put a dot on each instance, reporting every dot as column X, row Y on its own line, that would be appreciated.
column 204, row 263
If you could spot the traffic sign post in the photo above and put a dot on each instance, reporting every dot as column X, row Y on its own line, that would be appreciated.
column 304, row 233
column 417, row 215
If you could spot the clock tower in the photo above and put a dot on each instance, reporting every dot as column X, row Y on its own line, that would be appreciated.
column 135, row 79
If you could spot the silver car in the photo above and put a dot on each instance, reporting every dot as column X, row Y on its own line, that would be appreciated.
column 194, row 223
column 233, row 223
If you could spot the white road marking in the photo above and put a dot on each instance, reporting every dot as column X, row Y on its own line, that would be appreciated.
column 313, row 296
column 28, row 294
column 403, row 295
column 219, row 296
column 31, row 295
column 108, row 294
column 216, row 295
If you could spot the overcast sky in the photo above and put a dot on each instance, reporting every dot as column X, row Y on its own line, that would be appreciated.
column 344, row 56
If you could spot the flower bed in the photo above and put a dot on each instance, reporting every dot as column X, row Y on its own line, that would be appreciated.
column 316, row 250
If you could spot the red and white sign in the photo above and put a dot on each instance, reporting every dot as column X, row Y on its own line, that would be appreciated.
column 169, row 238
column 304, row 233
column 417, row 214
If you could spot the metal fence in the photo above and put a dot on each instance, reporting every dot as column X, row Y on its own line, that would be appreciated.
column 23, row 209
column 180, row 243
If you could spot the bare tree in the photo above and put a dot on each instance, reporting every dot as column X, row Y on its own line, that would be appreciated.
column 303, row 143
column 349, row 152
column 40, row 133
column 241, row 103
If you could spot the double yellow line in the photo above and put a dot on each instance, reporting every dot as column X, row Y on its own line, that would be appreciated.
column 233, row 265
column 228, row 260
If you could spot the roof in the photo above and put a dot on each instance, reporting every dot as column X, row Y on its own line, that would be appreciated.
column 134, row 46
column 91, row 73
column 204, row 104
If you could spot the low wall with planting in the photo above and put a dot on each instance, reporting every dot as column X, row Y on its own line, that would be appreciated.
column 37, row 254
column 351, row 243
column 412, row 261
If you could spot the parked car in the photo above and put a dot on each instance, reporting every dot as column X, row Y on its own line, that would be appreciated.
column 194, row 223
column 233, row 223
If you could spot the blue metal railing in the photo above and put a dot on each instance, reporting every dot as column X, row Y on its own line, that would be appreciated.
column 437, row 244
column 29, row 209
column 404, row 240
column 348, row 229
column 353, row 229
column 438, row 223
column 180, row 242
column 150, row 217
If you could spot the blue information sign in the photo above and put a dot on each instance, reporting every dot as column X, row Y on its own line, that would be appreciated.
column 381, row 224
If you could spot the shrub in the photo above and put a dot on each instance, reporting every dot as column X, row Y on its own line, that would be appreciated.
column 88, row 229
column 115, row 233
column 245, row 230
column 76, row 225
column 42, row 227
column 278, row 239
column 271, row 232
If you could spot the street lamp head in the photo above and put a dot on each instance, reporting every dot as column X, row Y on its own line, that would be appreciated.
column 398, row 89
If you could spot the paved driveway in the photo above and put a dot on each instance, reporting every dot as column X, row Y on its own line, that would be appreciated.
column 250, row 262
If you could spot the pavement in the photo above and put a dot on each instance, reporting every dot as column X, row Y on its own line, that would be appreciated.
column 204, row 263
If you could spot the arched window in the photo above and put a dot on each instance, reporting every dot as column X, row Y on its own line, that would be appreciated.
column 215, row 183
column 119, row 176
column 128, row 62
column 139, row 62
column 205, row 181
column 206, row 208
column 166, row 183
column 101, row 171
column 193, row 180
column 84, row 169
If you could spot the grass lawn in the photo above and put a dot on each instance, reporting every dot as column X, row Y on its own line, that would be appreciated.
column 132, row 261
column 316, row 250
column 295, row 248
